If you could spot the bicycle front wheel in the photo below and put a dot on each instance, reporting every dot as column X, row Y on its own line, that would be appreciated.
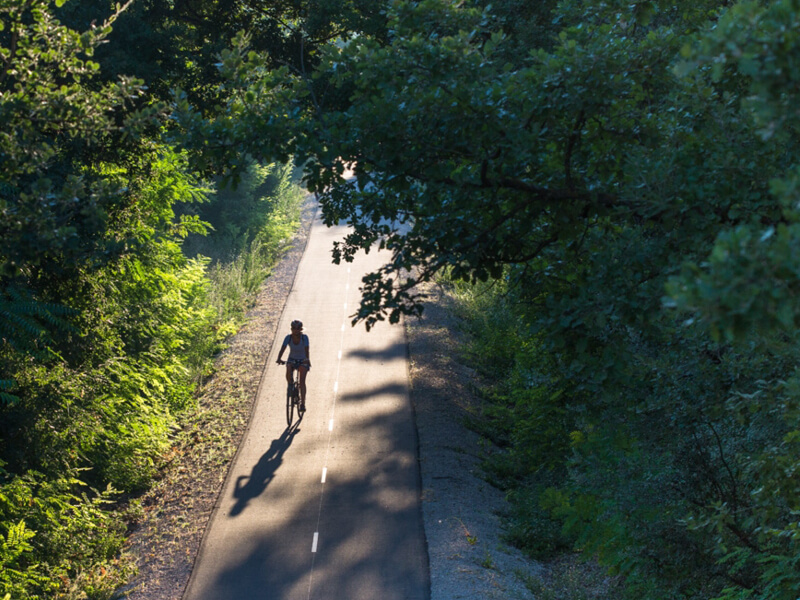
column 289, row 408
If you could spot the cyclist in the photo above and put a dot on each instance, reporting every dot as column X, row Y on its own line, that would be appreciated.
column 299, row 358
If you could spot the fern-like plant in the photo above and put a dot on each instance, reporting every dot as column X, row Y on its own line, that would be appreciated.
column 26, row 326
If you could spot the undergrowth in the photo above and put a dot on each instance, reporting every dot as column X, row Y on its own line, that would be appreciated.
column 526, row 455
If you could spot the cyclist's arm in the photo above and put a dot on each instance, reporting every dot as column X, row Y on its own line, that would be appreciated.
column 308, row 355
column 280, row 354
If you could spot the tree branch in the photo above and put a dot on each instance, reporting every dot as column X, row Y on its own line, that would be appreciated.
column 574, row 140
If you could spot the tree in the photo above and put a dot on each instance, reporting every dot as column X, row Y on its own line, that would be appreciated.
column 525, row 157
column 97, row 302
column 54, row 125
column 51, row 207
column 174, row 45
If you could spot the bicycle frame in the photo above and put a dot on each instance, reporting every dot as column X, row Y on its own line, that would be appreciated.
column 293, row 392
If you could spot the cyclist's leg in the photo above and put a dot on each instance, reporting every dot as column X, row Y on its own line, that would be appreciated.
column 303, row 372
column 289, row 373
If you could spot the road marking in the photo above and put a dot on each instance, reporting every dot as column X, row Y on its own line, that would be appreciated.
column 330, row 438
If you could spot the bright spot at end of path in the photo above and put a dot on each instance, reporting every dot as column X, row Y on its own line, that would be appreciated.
column 324, row 473
column 314, row 543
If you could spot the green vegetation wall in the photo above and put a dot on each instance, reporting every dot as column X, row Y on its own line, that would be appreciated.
column 108, row 319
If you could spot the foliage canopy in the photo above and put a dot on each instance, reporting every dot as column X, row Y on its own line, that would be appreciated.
column 625, row 175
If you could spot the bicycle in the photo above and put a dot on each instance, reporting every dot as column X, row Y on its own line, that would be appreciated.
column 293, row 392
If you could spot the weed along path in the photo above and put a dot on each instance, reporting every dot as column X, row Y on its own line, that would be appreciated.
column 330, row 508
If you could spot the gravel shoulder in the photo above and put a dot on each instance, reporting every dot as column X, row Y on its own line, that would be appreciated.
column 461, row 511
column 463, row 529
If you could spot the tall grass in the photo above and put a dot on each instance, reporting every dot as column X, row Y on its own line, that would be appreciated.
column 242, row 254
column 524, row 459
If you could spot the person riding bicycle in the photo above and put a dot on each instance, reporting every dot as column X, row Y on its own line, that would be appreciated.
column 299, row 358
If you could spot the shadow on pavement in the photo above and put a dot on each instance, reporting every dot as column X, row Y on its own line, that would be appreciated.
column 263, row 472
column 391, row 352
column 392, row 388
column 371, row 541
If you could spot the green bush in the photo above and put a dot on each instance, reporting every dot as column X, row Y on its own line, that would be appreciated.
column 57, row 539
column 113, row 385
column 530, row 526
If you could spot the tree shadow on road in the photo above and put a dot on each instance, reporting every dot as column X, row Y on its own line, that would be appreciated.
column 368, row 520
column 390, row 352
column 263, row 472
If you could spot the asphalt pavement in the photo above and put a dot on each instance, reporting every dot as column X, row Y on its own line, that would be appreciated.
column 328, row 509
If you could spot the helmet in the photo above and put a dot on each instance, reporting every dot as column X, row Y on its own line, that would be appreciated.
column 297, row 324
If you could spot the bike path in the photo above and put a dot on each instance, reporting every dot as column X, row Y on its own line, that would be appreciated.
column 330, row 508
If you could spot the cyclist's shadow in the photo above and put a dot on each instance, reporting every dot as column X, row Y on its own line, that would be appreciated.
column 264, row 471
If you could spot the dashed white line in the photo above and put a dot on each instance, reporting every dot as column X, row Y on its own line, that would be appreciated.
column 327, row 451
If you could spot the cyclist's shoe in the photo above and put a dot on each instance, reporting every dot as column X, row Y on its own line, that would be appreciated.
column 302, row 406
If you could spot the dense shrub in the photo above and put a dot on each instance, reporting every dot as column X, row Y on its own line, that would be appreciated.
column 101, row 404
column 57, row 538
column 673, row 468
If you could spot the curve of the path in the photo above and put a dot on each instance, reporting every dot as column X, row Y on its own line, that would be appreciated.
column 329, row 508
